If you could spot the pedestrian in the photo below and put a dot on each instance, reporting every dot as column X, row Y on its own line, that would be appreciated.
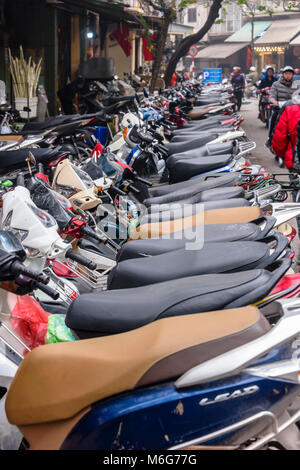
column 238, row 82
column 174, row 79
column 286, row 138
column 69, row 95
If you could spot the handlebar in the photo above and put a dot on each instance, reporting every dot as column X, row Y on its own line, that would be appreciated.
column 47, row 290
column 91, row 233
column 18, row 268
column 71, row 254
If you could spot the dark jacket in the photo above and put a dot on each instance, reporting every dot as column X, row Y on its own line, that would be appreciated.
column 266, row 82
column 238, row 81
column 282, row 90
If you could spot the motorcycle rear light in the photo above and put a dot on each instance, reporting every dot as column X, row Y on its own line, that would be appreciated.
column 55, row 162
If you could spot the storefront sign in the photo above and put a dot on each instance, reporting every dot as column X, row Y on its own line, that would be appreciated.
column 270, row 49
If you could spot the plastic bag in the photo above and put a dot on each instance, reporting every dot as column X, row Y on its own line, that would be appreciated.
column 30, row 321
column 58, row 331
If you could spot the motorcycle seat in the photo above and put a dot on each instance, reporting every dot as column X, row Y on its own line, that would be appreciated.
column 220, row 148
column 193, row 186
column 56, row 121
column 210, row 258
column 187, row 136
column 11, row 159
column 58, row 381
column 195, row 142
column 177, row 210
column 231, row 215
column 116, row 311
column 209, row 233
column 181, row 169
column 157, row 203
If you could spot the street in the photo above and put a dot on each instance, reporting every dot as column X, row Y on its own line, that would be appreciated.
column 257, row 131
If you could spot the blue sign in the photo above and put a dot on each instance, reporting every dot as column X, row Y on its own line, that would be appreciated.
column 212, row 75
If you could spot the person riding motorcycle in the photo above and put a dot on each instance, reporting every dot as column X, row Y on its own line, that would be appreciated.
column 269, row 79
column 281, row 91
column 283, row 88
column 287, row 137
column 264, row 83
column 285, row 134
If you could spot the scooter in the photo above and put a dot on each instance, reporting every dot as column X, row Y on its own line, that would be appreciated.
column 238, row 389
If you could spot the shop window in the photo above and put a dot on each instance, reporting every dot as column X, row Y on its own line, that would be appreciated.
column 192, row 15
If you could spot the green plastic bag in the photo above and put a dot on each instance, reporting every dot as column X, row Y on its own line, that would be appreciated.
column 58, row 332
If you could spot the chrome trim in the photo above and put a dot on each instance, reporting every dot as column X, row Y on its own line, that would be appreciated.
column 277, row 429
column 284, row 211
column 227, row 429
column 237, row 359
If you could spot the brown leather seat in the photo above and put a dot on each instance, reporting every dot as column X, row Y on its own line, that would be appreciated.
column 217, row 216
column 56, row 381
column 198, row 112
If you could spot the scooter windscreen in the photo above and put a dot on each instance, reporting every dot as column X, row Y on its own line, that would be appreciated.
column 69, row 179
column 11, row 244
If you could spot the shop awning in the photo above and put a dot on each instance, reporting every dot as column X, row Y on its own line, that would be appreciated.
column 296, row 41
column 280, row 32
column 219, row 51
column 244, row 34
column 115, row 10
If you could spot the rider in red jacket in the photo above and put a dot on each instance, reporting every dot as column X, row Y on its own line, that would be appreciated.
column 285, row 135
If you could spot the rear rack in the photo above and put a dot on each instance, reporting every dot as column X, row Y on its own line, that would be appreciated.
column 260, row 442
column 246, row 147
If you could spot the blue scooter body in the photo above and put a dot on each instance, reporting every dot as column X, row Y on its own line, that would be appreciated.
column 161, row 416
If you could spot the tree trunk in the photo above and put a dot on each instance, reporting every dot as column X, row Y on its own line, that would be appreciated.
column 189, row 41
column 160, row 46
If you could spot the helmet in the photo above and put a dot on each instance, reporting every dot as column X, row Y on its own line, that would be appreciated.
column 270, row 67
column 252, row 69
column 297, row 70
column 288, row 68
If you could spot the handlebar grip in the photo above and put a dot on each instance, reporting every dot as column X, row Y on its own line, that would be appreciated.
column 19, row 268
column 48, row 290
column 117, row 190
column 71, row 254
column 91, row 233
column 20, row 179
column 133, row 189
column 142, row 180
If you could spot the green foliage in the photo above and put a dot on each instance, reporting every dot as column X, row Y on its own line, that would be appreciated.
column 185, row 3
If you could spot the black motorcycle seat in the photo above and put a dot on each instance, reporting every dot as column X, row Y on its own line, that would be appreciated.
column 221, row 233
column 56, row 121
column 207, row 120
column 11, row 159
column 182, row 169
column 220, row 148
column 216, row 194
column 211, row 258
column 178, row 147
column 187, row 136
column 117, row 311
column 177, row 211
column 205, row 125
column 189, row 188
